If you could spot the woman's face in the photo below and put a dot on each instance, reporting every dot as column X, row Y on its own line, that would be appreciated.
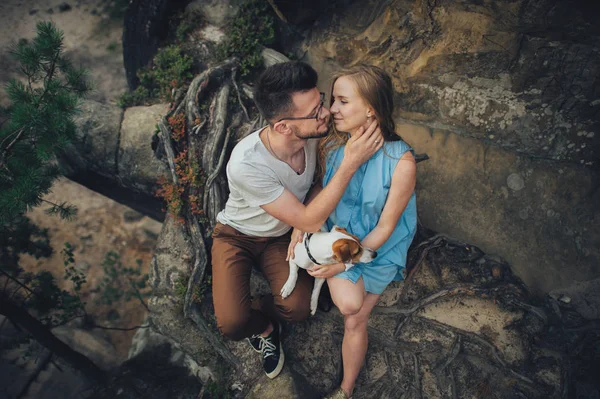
column 349, row 110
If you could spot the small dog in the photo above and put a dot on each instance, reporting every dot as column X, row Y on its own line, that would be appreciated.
column 324, row 248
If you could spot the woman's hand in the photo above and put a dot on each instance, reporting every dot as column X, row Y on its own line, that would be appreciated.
column 297, row 236
column 362, row 145
column 326, row 271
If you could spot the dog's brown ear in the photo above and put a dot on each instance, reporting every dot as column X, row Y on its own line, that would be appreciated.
column 343, row 230
column 341, row 251
column 356, row 250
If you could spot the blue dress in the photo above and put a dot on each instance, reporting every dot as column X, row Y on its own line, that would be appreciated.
column 360, row 207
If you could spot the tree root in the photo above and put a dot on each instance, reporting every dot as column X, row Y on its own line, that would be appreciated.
column 218, row 169
column 417, row 383
column 212, row 160
column 482, row 342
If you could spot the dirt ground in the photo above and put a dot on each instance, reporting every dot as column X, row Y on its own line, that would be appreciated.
column 99, row 227
column 91, row 38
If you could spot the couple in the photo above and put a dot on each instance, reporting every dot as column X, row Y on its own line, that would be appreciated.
column 360, row 176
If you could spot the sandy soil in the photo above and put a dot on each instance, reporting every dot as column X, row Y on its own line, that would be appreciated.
column 93, row 41
column 99, row 227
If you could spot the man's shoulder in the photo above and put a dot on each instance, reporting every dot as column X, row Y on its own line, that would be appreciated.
column 247, row 159
column 246, row 151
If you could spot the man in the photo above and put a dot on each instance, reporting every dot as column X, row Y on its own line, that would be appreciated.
column 270, row 173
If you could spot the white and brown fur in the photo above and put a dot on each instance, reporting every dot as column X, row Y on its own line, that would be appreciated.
column 335, row 246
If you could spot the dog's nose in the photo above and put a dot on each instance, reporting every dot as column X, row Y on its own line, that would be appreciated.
column 374, row 254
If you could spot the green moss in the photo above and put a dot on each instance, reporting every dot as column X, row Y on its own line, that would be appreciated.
column 180, row 287
column 250, row 30
column 171, row 69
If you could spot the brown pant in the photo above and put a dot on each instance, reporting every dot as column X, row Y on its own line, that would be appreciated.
column 233, row 256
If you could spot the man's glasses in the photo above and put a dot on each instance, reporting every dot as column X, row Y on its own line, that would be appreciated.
column 315, row 117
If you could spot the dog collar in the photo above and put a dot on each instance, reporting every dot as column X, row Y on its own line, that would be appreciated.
column 306, row 244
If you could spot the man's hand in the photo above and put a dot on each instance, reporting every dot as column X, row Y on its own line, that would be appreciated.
column 297, row 236
column 361, row 147
column 326, row 271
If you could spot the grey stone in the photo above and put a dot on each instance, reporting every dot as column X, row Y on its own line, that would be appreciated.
column 515, row 182
column 215, row 12
column 131, row 216
column 138, row 167
column 63, row 7
column 584, row 297
column 96, row 146
column 92, row 345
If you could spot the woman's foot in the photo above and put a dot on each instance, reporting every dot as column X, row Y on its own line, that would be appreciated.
column 338, row 394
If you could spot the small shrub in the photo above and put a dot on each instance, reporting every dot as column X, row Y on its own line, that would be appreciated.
column 250, row 30
column 121, row 282
column 187, row 23
column 171, row 69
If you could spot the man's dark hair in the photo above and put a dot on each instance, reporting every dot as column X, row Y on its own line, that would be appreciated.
column 275, row 86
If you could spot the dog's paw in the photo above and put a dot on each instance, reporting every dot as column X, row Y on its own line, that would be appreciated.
column 287, row 290
column 313, row 307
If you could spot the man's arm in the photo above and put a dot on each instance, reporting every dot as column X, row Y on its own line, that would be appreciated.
column 311, row 217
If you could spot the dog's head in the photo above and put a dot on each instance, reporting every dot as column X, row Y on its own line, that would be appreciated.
column 347, row 248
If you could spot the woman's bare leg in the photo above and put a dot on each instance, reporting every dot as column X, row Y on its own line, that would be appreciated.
column 356, row 306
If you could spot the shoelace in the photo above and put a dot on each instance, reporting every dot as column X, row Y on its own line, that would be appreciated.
column 267, row 347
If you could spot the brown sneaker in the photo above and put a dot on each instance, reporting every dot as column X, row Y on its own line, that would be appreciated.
column 338, row 394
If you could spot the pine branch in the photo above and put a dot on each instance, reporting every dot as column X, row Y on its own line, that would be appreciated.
column 10, row 145
column 64, row 210
column 138, row 294
column 17, row 281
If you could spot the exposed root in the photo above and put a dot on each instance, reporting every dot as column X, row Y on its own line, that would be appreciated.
column 212, row 158
column 237, row 90
column 418, row 390
column 219, row 166
column 482, row 342
column 165, row 136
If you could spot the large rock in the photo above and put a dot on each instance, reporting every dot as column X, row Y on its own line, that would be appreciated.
column 539, row 216
column 97, row 144
column 509, row 120
column 138, row 167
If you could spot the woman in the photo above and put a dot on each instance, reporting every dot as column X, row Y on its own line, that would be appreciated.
column 379, row 206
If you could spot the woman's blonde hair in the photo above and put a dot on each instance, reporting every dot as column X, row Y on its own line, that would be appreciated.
column 374, row 86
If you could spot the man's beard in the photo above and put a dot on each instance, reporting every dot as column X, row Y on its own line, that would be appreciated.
column 310, row 135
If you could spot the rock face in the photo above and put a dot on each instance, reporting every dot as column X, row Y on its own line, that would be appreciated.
column 507, row 98
column 97, row 146
column 145, row 26
column 114, row 154
column 138, row 167
column 538, row 215
column 461, row 325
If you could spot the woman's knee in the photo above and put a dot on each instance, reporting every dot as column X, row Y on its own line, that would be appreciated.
column 355, row 322
column 349, row 306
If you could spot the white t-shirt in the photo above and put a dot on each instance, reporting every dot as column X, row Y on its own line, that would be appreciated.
column 257, row 178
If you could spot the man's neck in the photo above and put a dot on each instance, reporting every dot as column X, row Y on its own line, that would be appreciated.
column 283, row 147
